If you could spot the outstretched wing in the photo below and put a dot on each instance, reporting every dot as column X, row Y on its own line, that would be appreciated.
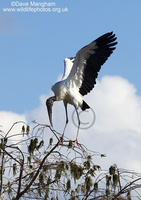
column 68, row 63
column 89, row 60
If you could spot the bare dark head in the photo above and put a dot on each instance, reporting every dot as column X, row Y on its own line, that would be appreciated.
column 49, row 104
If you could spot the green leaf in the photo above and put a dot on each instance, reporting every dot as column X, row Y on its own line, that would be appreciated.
column 108, row 179
column 27, row 130
column 33, row 146
column 14, row 169
column 115, row 180
column 70, row 144
column 68, row 185
column 96, row 186
column 87, row 164
column 107, row 192
column 88, row 183
column 23, row 130
column 2, row 146
column 29, row 160
column 41, row 178
column 51, row 141
column 89, row 157
column 128, row 195
column 5, row 140
column 112, row 170
column 76, row 170
column 40, row 144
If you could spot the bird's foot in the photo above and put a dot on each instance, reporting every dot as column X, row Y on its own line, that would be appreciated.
column 60, row 141
column 76, row 142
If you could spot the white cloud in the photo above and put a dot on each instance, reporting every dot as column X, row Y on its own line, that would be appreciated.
column 117, row 129
column 117, row 105
column 39, row 114
column 7, row 120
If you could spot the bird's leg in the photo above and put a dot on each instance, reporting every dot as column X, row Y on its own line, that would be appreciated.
column 76, row 141
column 65, row 104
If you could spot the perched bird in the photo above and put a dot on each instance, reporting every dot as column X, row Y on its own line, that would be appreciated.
column 80, row 75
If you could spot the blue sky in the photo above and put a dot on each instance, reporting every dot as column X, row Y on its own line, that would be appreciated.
column 32, row 51
column 34, row 45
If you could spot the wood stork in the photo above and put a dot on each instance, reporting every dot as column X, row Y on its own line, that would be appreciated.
column 80, row 75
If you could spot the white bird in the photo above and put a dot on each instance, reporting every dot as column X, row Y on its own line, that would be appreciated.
column 80, row 75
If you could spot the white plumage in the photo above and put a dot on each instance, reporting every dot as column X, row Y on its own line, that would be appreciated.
column 68, row 63
column 80, row 74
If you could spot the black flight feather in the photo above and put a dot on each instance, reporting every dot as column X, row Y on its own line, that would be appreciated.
column 106, row 45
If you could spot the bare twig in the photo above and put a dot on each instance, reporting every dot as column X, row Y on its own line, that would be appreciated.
column 124, row 189
column 1, row 172
column 36, row 174
column 21, row 172
column 13, row 126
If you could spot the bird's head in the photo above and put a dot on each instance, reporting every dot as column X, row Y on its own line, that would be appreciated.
column 49, row 104
column 72, row 59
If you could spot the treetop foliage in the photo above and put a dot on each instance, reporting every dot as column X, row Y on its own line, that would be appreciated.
column 43, row 165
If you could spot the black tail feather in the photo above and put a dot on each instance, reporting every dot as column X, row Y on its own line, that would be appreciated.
column 85, row 106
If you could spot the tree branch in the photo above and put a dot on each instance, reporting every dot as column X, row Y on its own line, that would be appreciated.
column 37, row 173
column 123, row 190
column 1, row 173
column 21, row 172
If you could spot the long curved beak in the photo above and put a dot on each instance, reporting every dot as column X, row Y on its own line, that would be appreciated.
column 49, row 104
